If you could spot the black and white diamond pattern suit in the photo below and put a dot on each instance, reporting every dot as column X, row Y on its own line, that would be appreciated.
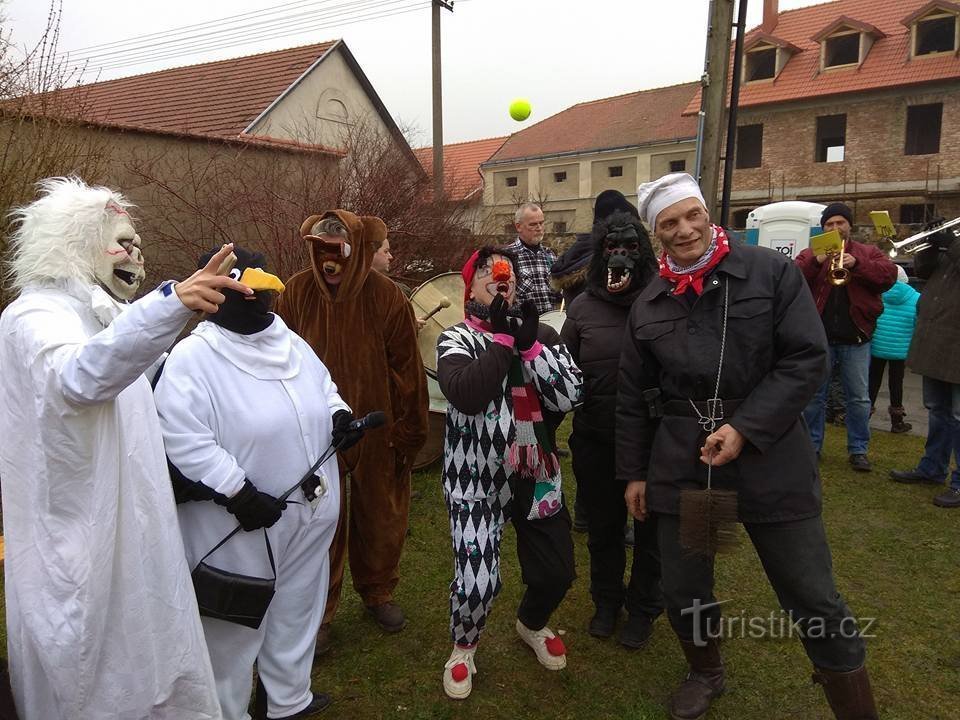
column 482, row 491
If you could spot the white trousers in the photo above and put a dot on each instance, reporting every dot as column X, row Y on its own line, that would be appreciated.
column 283, row 645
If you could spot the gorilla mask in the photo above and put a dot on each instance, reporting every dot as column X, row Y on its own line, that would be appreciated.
column 623, row 259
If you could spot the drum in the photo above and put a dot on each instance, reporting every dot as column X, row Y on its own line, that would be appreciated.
column 554, row 318
column 432, row 449
column 426, row 299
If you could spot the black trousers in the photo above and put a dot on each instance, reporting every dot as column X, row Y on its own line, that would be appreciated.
column 796, row 558
column 594, row 466
column 894, row 380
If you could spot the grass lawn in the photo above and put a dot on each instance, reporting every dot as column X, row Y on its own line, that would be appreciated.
column 895, row 560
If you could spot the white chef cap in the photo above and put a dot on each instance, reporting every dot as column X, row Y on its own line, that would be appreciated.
column 654, row 196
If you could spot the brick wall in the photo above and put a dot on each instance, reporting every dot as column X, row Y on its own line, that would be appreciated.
column 875, row 173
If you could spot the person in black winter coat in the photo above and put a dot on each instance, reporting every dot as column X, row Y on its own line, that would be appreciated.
column 622, row 264
column 569, row 277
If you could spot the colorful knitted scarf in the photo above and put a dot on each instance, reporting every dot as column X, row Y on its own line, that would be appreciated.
column 532, row 453
column 692, row 276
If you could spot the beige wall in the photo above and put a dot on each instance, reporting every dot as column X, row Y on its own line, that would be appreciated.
column 588, row 175
column 567, row 189
column 626, row 183
column 503, row 194
column 322, row 107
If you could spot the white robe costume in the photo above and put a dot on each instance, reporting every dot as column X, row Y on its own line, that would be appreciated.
column 257, row 406
column 102, row 620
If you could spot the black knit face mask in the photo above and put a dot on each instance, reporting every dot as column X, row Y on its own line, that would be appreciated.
column 482, row 312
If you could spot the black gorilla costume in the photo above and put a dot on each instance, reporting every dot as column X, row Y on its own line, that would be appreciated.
column 621, row 265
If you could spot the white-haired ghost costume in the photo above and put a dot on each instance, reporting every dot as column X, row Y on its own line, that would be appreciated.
column 245, row 400
column 102, row 620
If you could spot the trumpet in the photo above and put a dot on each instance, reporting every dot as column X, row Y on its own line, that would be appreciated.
column 838, row 274
column 918, row 242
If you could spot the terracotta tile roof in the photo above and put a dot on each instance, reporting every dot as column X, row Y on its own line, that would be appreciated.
column 215, row 100
column 887, row 65
column 638, row 118
column 461, row 165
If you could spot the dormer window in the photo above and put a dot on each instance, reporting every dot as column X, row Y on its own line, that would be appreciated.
column 845, row 42
column 843, row 49
column 936, row 34
column 934, row 29
column 762, row 64
column 765, row 56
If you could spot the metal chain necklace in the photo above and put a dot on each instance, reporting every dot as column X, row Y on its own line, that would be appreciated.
column 715, row 405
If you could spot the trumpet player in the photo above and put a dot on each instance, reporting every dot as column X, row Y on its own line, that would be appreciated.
column 847, row 289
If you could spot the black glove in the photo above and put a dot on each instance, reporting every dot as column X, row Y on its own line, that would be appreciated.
column 255, row 509
column 498, row 316
column 343, row 437
column 526, row 333
column 187, row 490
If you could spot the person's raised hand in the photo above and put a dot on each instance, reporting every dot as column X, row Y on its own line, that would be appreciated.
column 725, row 445
column 201, row 291
column 526, row 333
column 636, row 497
column 498, row 316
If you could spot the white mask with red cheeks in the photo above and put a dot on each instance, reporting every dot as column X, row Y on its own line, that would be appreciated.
column 495, row 277
column 118, row 267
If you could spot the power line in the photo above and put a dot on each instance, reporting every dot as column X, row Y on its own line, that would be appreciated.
column 160, row 54
column 218, row 21
column 265, row 24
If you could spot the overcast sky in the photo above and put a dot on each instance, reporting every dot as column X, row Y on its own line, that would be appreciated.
column 554, row 52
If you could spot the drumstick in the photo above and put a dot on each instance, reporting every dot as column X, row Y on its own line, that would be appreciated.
column 444, row 303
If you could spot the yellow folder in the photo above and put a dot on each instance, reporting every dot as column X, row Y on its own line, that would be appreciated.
column 883, row 224
column 826, row 243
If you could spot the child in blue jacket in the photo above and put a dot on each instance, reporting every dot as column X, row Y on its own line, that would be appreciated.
column 890, row 344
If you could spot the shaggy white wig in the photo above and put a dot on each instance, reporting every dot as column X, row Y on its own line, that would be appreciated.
column 59, row 235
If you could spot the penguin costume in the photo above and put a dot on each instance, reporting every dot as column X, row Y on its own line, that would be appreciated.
column 246, row 408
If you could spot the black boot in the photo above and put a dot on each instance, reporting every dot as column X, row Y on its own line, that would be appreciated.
column 703, row 683
column 897, row 425
column 604, row 621
column 636, row 631
column 849, row 693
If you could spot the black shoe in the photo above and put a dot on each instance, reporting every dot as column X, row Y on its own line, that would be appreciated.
column 913, row 477
column 949, row 499
column 636, row 632
column 579, row 524
column 320, row 702
column 859, row 462
column 603, row 622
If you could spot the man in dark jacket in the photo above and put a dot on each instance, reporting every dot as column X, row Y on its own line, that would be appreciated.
column 623, row 263
column 726, row 341
column 849, row 312
column 933, row 355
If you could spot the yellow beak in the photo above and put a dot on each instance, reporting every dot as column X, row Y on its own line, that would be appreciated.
column 257, row 279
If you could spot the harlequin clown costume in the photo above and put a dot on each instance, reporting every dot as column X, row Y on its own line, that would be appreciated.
column 508, row 384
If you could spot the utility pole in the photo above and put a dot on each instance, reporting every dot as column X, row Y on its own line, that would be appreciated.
column 438, row 100
column 731, row 149
column 713, row 99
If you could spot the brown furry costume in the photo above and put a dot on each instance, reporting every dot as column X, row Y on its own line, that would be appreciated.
column 366, row 335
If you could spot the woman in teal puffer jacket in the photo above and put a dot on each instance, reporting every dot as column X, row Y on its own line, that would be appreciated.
column 890, row 344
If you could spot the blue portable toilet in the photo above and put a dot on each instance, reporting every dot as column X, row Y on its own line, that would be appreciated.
column 784, row 226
